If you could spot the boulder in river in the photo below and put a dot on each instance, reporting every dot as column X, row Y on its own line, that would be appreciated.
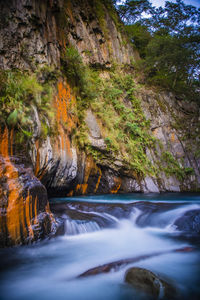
column 149, row 283
column 189, row 222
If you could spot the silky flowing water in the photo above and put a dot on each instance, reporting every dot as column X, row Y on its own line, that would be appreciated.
column 98, row 230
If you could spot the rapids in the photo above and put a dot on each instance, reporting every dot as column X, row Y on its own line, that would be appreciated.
column 98, row 230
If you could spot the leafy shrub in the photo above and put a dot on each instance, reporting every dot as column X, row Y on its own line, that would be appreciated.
column 174, row 167
column 80, row 76
column 19, row 92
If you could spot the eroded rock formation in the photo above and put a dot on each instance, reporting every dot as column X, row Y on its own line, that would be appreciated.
column 24, row 208
column 35, row 34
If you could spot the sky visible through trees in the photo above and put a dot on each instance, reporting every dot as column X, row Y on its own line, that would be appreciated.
column 168, row 40
column 188, row 2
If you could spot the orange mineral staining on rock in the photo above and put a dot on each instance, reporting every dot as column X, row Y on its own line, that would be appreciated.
column 78, row 187
column 61, row 103
column 91, row 169
column 48, row 211
column 14, row 201
column 14, row 206
column 11, row 141
column 98, row 181
column 35, row 210
column 4, row 143
column 18, row 217
column 173, row 137
column 116, row 186
column 82, row 188
column 65, row 121
column 70, row 194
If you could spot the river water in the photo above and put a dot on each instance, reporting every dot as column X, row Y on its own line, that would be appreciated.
column 98, row 230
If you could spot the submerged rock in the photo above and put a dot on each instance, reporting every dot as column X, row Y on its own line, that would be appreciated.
column 189, row 222
column 116, row 265
column 149, row 283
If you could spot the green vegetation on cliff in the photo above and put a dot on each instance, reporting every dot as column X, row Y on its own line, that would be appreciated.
column 20, row 92
column 124, row 126
column 111, row 95
column 84, row 79
column 109, row 90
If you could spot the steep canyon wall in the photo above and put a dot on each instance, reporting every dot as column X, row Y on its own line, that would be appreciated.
column 124, row 137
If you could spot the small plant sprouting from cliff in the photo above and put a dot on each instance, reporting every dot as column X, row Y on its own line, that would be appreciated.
column 83, row 78
column 174, row 168
column 19, row 93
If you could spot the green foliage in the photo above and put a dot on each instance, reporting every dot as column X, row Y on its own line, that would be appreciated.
column 131, row 10
column 111, row 143
column 168, row 41
column 27, row 133
column 125, row 128
column 168, row 63
column 13, row 118
column 45, row 130
column 139, row 36
column 81, row 136
column 100, row 8
column 19, row 92
column 84, row 79
column 48, row 74
column 174, row 168
column 72, row 66
column 100, row 13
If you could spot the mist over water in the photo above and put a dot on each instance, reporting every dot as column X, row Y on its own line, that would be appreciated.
column 102, row 229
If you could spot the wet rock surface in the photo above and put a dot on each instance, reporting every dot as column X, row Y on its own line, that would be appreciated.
column 189, row 222
column 80, row 217
column 145, row 280
column 24, row 208
column 143, row 213
column 149, row 283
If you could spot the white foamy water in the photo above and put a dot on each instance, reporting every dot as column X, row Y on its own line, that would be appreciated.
column 77, row 227
column 49, row 269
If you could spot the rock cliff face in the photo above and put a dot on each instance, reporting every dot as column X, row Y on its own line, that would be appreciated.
column 28, row 34
column 34, row 32
column 24, row 208
column 127, row 138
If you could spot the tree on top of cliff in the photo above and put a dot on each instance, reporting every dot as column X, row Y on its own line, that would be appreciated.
column 131, row 10
column 168, row 40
